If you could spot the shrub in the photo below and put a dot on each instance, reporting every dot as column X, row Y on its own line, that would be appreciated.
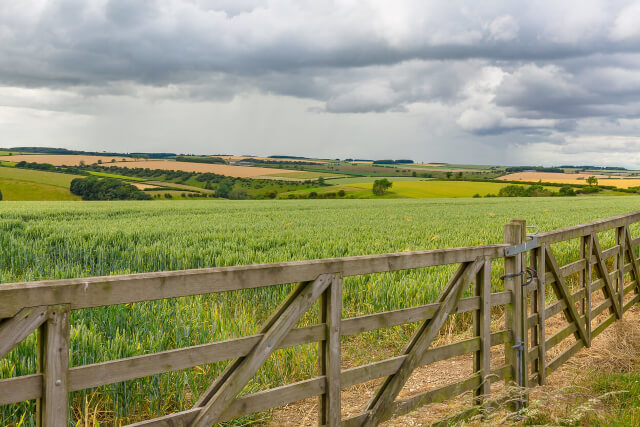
column 380, row 186
column 566, row 191
column 512, row 191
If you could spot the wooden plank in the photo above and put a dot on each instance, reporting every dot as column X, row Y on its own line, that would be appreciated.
column 110, row 290
column 632, row 259
column 564, row 356
column 561, row 290
column 482, row 329
column 631, row 302
column 604, row 274
column 19, row 327
column 19, row 389
column 382, row 403
column 559, row 336
column 249, row 365
column 329, row 354
column 576, row 231
column 604, row 325
column 53, row 363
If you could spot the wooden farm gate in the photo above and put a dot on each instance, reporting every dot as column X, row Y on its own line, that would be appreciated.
column 525, row 298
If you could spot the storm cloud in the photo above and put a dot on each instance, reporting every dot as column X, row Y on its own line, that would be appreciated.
column 486, row 82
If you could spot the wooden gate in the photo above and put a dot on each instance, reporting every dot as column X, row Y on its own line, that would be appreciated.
column 45, row 306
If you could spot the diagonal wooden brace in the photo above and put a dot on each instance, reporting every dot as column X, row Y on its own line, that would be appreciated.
column 17, row 328
column 562, row 292
column 381, row 405
column 632, row 258
column 604, row 273
column 234, row 379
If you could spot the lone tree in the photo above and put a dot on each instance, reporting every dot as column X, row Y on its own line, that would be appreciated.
column 0, row 195
column 592, row 180
column 380, row 186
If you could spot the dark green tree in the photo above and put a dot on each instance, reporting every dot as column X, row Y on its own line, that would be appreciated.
column 380, row 186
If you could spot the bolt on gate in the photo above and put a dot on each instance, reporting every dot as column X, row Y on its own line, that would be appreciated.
column 535, row 290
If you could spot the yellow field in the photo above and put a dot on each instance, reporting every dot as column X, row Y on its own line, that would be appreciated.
column 61, row 159
column 577, row 178
column 437, row 189
column 228, row 170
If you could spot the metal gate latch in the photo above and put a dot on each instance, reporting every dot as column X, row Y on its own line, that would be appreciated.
column 532, row 243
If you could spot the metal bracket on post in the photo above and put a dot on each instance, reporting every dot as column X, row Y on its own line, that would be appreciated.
column 532, row 243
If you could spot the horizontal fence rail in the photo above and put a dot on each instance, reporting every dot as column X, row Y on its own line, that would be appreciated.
column 591, row 293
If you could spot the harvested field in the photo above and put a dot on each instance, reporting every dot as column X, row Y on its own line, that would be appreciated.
column 140, row 186
column 577, row 178
column 61, row 159
column 228, row 170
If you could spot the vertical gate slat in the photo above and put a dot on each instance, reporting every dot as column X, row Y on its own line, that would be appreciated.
column 53, row 363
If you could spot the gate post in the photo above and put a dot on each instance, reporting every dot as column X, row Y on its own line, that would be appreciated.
column 514, row 233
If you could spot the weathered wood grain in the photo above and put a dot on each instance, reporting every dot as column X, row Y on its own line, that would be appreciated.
column 16, row 329
column 110, row 290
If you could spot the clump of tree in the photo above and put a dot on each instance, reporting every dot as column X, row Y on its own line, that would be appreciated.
column 533, row 168
column 92, row 188
column 196, row 159
column 74, row 170
column 535, row 190
column 380, row 186
column 0, row 195
column 592, row 180
column 393, row 162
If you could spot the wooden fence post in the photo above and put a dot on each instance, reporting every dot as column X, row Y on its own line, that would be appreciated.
column 329, row 353
column 482, row 329
column 620, row 238
column 53, row 363
column 513, row 235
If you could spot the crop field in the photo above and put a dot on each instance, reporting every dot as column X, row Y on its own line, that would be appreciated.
column 578, row 178
column 43, row 240
column 61, row 159
column 228, row 170
column 438, row 189
column 27, row 184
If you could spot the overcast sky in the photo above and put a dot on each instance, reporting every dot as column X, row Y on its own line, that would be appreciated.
column 491, row 82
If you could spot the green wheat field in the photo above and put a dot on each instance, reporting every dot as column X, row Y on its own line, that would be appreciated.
column 56, row 240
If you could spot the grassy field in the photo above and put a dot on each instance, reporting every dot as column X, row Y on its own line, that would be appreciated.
column 27, row 184
column 42, row 240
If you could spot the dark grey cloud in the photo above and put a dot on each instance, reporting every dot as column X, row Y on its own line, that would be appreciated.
column 499, row 72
